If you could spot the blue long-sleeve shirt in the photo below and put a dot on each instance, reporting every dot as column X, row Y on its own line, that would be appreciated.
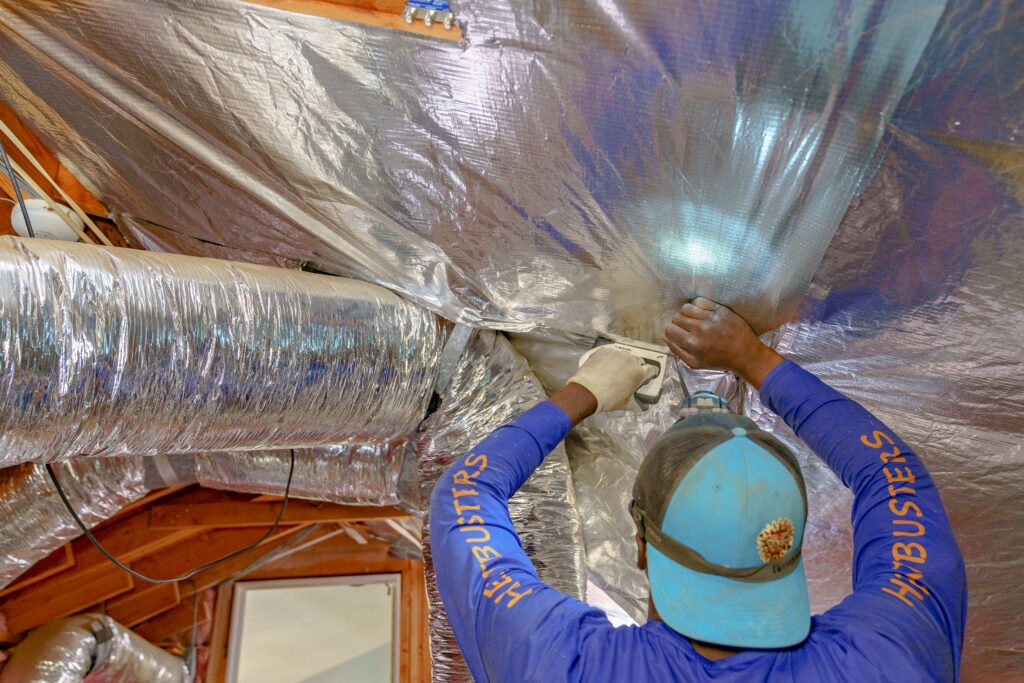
column 903, row 622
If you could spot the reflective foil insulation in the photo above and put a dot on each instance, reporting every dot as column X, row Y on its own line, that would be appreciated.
column 575, row 166
column 118, row 351
column 90, row 647
column 850, row 172
column 35, row 522
column 491, row 385
column 357, row 474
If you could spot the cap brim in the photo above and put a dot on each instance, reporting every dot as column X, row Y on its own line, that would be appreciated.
column 715, row 609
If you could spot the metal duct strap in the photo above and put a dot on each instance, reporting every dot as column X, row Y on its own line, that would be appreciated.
column 90, row 647
column 115, row 351
column 491, row 385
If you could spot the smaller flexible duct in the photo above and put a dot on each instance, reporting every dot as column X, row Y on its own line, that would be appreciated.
column 35, row 522
column 90, row 647
column 357, row 474
column 116, row 351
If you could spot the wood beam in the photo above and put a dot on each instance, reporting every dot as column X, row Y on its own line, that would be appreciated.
column 209, row 515
column 53, row 167
column 216, row 667
column 60, row 559
column 25, row 611
column 362, row 12
column 208, row 546
column 175, row 621
column 93, row 578
column 143, row 602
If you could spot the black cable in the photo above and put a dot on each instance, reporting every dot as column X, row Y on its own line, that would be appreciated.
column 88, row 534
column 17, row 190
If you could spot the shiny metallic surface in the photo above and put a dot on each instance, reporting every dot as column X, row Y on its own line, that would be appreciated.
column 582, row 167
column 491, row 385
column 35, row 522
column 357, row 474
column 576, row 166
column 90, row 647
column 117, row 351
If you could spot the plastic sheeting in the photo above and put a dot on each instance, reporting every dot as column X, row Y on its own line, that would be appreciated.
column 540, row 174
column 491, row 385
column 35, row 522
column 358, row 474
column 111, row 351
column 573, row 165
column 90, row 647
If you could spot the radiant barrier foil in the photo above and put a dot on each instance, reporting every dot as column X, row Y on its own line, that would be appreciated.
column 35, row 521
column 576, row 166
column 90, row 647
column 516, row 179
column 117, row 351
column 357, row 474
column 491, row 385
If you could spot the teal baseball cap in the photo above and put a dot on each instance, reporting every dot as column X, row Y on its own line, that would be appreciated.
column 722, row 506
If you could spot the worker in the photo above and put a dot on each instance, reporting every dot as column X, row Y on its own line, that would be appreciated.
column 720, row 509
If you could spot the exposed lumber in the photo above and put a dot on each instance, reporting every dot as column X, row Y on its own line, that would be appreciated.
column 217, row 665
column 7, row 638
column 176, row 620
column 143, row 602
column 362, row 13
column 60, row 559
column 176, row 515
column 419, row 634
column 208, row 546
column 28, row 609
column 337, row 556
column 52, row 166
column 225, row 570
column 146, row 500
column 128, row 540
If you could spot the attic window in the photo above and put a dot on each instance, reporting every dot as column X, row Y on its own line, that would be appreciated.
column 426, row 17
column 341, row 628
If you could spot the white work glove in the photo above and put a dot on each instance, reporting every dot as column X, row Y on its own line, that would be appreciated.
column 613, row 376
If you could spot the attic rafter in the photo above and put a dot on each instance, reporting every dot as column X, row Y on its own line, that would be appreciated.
column 231, row 514
column 382, row 13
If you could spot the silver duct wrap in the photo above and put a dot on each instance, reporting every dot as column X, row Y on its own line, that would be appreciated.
column 491, row 385
column 583, row 166
column 116, row 351
column 35, row 522
column 358, row 474
column 571, row 165
column 90, row 647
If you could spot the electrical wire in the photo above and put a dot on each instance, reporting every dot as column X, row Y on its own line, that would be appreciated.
column 17, row 190
column 88, row 534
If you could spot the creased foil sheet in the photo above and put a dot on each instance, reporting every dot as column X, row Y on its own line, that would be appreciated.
column 540, row 174
column 117, row 351
column 358, row 474
column 577, row 166
column 90, row 647
column 492, row 384
column 35, row 521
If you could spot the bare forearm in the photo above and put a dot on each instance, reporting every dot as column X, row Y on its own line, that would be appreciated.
column 575, row 401
column 756, row 364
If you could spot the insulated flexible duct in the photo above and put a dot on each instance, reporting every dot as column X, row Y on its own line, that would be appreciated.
column 115, row 351
column 491, row 385
column 357, row 474
column 35, row 522
column 90, row 647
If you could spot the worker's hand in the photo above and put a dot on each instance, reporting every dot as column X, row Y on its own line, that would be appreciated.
column 707, row 335
column 613, row 376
